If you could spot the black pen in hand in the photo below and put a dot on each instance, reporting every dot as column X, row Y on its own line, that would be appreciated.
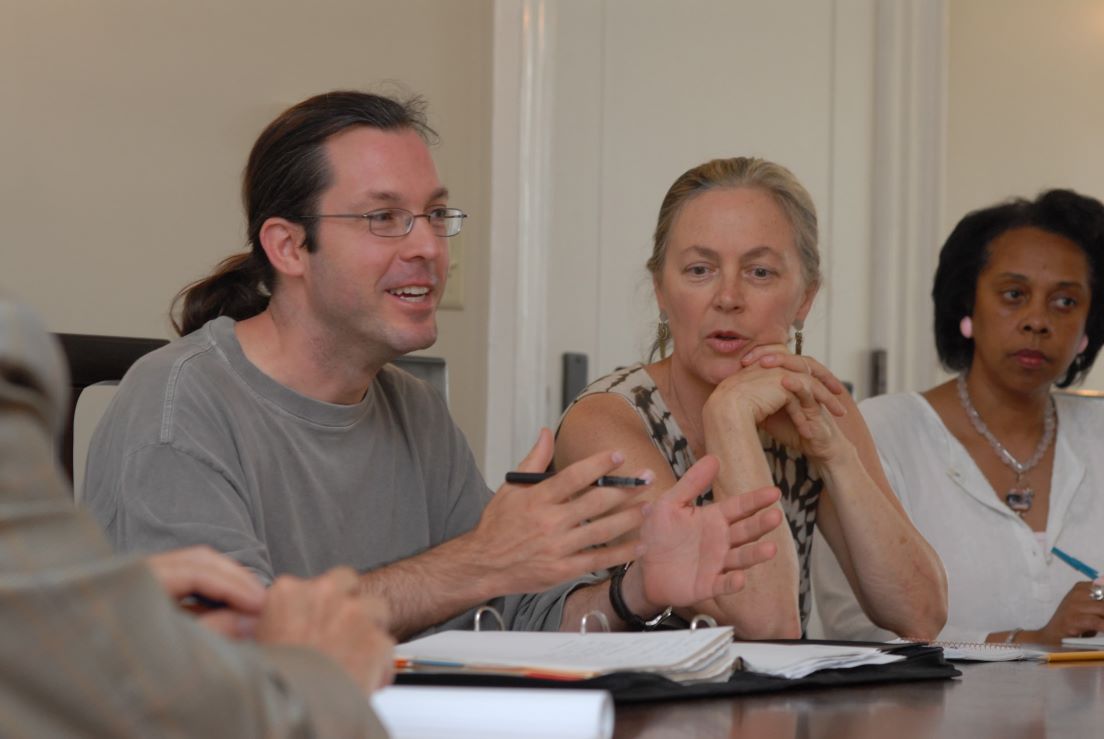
column 198, row 603
column 605, row 481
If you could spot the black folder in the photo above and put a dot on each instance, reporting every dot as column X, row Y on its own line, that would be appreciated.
column 921, row 662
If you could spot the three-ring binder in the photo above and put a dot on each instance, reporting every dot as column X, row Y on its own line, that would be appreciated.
column 597, row 616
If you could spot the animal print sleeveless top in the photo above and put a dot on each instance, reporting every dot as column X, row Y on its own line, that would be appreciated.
column 792, row 473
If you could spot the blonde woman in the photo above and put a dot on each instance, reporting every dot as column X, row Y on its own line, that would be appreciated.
column 735, row 267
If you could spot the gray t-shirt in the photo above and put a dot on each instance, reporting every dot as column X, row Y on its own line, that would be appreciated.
column 200, row 447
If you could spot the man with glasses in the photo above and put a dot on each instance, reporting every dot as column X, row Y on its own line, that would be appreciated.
column 276, row 432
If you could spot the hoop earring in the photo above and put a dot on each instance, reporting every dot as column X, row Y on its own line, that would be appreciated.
column 799, row 335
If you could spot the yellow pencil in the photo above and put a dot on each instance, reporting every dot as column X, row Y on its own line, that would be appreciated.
column 1074, row 656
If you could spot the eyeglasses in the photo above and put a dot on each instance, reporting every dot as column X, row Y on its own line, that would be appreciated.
column 395, row 222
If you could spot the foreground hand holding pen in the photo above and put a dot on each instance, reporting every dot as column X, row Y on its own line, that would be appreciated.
column 223, row 595
column 329, row 613
column 332, row 614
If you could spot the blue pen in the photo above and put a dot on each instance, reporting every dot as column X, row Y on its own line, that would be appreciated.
column 1075, row 563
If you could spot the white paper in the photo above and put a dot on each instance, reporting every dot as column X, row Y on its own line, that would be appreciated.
column 1085, row 642
column 798, row 660
column 666, row 652
column 416, row 712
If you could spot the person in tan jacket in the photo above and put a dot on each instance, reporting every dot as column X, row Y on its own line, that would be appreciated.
column 95, row 644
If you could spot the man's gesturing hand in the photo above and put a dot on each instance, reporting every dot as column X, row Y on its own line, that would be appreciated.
column 689, row 553
column 534, row 537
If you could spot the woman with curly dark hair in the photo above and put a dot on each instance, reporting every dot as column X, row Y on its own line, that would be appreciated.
column 996, row 470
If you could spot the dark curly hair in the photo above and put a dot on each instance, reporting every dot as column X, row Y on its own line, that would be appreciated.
column 966, row 252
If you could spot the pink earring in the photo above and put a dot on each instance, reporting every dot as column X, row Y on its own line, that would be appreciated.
column 966, row 326
column 1083, row 345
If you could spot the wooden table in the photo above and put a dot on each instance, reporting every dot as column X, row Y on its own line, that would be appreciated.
column 997, row 699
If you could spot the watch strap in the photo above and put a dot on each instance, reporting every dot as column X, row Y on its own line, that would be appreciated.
column 617, row 602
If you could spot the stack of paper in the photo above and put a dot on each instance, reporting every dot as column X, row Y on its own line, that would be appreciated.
column 686, row 656
column 411, row 712
column 705, row 655
column 795, row 661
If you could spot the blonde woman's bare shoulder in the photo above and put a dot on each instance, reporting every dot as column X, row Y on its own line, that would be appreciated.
column 597, row 423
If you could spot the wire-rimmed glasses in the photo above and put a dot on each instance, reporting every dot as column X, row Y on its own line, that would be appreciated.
column 396, row 222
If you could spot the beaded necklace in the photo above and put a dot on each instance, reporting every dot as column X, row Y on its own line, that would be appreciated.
column 1020, row 496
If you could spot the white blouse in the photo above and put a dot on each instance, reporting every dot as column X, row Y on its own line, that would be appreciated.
column 1000, row 574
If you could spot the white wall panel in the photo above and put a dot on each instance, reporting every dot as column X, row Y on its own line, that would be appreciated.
column 1025, row 111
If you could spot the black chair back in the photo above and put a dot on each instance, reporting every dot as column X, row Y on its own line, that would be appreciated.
column 97, row 360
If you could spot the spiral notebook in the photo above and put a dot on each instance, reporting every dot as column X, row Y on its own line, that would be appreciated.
column 988, row 652
column 1093, row 649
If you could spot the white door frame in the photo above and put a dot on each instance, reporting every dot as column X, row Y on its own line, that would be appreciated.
column 910, row 133
column 520, row 188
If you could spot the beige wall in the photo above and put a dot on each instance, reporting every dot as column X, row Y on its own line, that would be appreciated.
column 1025, row 103
column 126, row 124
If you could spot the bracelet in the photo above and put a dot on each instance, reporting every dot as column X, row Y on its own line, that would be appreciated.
column 1012, row 636
column 617, row 601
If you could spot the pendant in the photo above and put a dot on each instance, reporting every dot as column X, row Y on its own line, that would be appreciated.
column 1020, row 499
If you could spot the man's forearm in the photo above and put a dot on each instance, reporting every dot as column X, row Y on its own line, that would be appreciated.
column 432, row 587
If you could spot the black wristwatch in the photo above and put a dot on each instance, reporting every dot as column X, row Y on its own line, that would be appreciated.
column 617, row 601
